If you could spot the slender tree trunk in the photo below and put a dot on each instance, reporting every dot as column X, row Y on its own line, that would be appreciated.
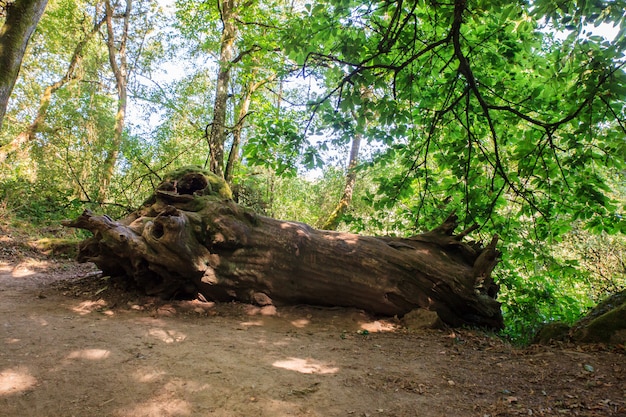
column 44, row 102
column 335, row 218
column 22, row 18
column 120, row 70
column 233, row 155
column 244, row 107
column 217, row 135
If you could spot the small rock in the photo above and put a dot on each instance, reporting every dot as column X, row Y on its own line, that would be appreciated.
column 261, row 299
column 420, row 319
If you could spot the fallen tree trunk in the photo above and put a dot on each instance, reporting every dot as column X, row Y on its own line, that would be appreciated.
column 191, row 238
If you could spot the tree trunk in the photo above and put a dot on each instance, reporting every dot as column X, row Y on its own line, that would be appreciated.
column 120, row 71
column 233, row 155
column 361, row 125
column 335, row 217
column 218, row 126
column 21, row 20
column 244, row 107
column 190, row 238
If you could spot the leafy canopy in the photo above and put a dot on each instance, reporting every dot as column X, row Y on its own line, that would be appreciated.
column 481, row 101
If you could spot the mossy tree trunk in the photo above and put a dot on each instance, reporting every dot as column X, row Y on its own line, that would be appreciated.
column 190, row 238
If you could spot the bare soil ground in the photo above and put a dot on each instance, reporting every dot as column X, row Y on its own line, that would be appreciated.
column 73, row 343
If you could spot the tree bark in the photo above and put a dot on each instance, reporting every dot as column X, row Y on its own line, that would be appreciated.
column 361, row 125
column 335, row 217
column 22, row 18
column 244, row 107
column 217, row 135
column 190, row 238
column 120, row 71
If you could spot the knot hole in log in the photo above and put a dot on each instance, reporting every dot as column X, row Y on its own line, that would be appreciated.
column 191, row 183
column 157, row 230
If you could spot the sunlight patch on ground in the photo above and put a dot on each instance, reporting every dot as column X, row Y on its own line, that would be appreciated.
column 162, row 407
column 300, row 323
column 378, row 326
column 88, row 306
column 21, row 272
column 306, row 366
column 251, row 323
column 165, row 403
column 90, row 354
column 167, row 336
column 268, row 310
column 16, row 380
column 23, row 269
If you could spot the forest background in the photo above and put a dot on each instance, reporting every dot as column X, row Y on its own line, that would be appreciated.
column 377, row 117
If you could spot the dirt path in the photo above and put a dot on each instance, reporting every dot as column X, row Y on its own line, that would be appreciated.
column 85, row 348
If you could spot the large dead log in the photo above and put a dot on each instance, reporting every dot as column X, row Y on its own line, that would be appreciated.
column 191, row 238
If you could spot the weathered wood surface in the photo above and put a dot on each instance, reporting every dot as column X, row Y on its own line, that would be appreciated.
column 191, row 238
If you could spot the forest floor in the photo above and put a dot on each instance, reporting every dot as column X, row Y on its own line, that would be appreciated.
column 73, row 343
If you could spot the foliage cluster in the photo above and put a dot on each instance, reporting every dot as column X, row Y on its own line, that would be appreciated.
column 511, row 114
